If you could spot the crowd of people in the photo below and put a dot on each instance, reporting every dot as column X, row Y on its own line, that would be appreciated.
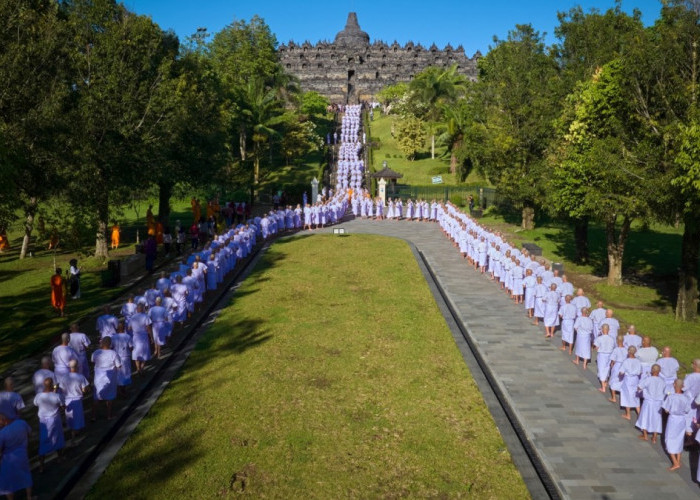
column 127, row 339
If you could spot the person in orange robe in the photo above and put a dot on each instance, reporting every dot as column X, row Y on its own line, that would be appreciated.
column 150, row 221
column 53, row 242
column 159, row 233
column 210, row 210
column 197, row 209
column 4, row 242
column 115, row 236
column 58, row 292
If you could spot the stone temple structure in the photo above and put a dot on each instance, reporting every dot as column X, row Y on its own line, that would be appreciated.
column 351, row 69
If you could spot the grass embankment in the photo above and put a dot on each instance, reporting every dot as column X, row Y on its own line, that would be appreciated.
column 652, row 257
column 326, row 377
column 417, row 172
column 29, row 323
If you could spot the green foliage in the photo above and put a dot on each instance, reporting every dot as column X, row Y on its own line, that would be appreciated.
column 410, row 135
column 313, row 103
column 457, row 200
column 439, row 170
column 392, row 95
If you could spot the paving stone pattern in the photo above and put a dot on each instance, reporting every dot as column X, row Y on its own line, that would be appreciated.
column 589, row 450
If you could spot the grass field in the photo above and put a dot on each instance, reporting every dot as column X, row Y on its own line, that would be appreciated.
column 29, row 323
column 417, row 172
column 322, row 379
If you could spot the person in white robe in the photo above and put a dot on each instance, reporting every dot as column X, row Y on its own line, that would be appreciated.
column 141, row 332
column 42, row 374
column 551, row 310
column 80, row 342
column 107, row 363
column 631, row 337
column 677, row 405
column 540, row 292
column 567, row 313
column 15, row 471
column 647, row 355
column 49, row 403
column 669, row 368
column 529, row 284
column 162, row 325
column 107, row 322
column 604, row 345
column 631, row 370
column 583, row 325
column 122, row 345
column 75, row 387
column 11, row 403
column 618, row 356
column 61, row 357
column 598, row 315
column 653, row 390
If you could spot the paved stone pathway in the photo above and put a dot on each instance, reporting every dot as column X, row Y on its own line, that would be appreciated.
column 589, row 450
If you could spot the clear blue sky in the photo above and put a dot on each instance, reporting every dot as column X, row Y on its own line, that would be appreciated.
column 470, row 23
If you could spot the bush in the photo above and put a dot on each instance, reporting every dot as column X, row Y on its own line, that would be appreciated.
column 439, row 171
column 388, row 155
column 456, row 199
column 397, row 156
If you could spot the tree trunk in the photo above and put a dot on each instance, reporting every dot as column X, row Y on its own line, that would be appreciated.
column 102, row 223
column 241, row 144
column 30, row 212
column 581, row 239
column 453, row 164
column 165, row 191
column 432, row 146
column 616, row 248
column 528, row 215
column 687, row 303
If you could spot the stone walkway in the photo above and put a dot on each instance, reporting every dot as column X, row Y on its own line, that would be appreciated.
column 588, row 449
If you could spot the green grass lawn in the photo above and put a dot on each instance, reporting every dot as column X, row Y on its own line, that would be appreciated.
column 324, row 378
column 652, row 257
column 417, row 172
column 29, row 322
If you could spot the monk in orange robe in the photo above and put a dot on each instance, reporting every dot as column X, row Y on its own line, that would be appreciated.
column 210, row 210
column 4, row 242
column 115, row 236
column 150, row 221
column 58, row 292
column 53, row 242
column 197, row 209
column 159, row 233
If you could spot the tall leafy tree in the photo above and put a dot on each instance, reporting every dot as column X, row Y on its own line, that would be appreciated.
column 33, row 99
column 432, row 90
column 519, row 86
column 589, row 40
column 605, row 163
column 666, row 74
column 119, row 61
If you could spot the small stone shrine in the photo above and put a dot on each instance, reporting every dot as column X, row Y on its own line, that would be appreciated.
column 350, row 69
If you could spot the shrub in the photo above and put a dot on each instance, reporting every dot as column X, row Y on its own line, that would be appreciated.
column 439, row 171
column 456, row 199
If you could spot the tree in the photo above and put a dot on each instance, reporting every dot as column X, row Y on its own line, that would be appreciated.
column 687, row 181
column 518, row 81
column 33, row 100
column 410, row 135
column 604, row 164
column 588, row 41
column 431, row 91
column 190, row 139
column 240, row 53
column 119, row 63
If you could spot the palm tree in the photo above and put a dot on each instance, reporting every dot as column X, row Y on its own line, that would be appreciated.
column 260, row 111
column 433, row 89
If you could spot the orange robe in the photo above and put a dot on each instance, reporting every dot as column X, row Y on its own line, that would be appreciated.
column 4, row 243
column 159, row 233
column 197, row 212
column 58, row 296
column 115, row 236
